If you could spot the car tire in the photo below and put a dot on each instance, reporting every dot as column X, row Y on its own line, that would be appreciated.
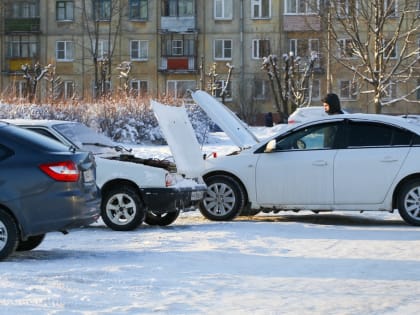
column 31, row 243
column 409, row 202
column 8, row 235
column 122, row 209
column 224, row 199
column 161, row 219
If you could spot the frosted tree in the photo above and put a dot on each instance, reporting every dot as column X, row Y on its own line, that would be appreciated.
column 377, row 41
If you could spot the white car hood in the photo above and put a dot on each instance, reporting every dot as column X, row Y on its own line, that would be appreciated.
column 235, row 128
column 180, row 136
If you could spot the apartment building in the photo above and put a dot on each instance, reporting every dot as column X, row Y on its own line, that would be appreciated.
column 171, row 46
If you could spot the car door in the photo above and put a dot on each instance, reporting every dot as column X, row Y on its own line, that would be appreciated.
column 365, row 170
column 300, row 169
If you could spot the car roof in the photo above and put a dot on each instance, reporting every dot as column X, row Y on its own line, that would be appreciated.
column 393, row 120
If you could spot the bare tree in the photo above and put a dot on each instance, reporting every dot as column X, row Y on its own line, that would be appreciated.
column 102, row 22
column 32, row 76
column 291, row 84
column 377, row 42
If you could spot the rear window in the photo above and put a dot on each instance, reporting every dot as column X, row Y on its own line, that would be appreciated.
column 28, row 137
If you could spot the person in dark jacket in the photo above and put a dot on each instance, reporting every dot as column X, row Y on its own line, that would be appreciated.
column 268, row 119
column 332, row 104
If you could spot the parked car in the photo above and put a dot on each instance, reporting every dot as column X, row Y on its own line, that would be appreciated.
column 411, row 118
column 307, row 113
column 348, row 162
column 134, row 190
column 44, row 187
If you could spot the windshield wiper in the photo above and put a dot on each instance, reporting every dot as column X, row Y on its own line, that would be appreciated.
column 117, row 148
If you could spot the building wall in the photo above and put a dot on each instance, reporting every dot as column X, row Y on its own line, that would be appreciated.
column 241, row 28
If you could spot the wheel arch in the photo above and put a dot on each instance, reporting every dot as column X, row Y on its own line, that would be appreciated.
column 399, row 185
column 121, row 182
column 12, row 215
column 236, row 178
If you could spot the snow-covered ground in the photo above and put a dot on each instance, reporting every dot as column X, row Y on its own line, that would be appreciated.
column 291, row 263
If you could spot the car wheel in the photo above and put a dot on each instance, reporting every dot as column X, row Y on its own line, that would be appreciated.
column 8, row 235
column 31, row 243
column 409, row 202
column 224, row 198
column 122, row 209
column 161, row 219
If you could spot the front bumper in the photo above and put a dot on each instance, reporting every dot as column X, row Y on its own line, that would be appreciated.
column 163, row 200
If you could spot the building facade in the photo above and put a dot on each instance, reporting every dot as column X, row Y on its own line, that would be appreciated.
column 171, row 46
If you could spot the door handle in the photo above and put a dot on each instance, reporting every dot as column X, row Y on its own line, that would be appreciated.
column 320, row 163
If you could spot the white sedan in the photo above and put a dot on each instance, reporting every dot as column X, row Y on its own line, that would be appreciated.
column 348, row 162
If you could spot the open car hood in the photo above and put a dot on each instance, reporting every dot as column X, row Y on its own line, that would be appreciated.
column 235, row 128
column 180, row 136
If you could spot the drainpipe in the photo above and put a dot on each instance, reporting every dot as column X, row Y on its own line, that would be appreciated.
column 242, row 87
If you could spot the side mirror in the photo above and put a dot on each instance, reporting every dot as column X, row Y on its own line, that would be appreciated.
column 271, row 146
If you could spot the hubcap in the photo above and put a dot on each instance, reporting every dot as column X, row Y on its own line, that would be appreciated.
column 220, row 199
column 412, row 203
column 121, row 209
column 3, row 235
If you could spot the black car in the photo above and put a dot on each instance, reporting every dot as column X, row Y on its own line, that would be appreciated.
column 44, row 186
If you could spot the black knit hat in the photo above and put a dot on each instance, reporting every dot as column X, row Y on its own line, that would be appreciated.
column 334, row 102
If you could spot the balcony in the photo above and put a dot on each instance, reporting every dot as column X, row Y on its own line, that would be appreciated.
column 22, row 25
column 178, row 24
column 178, row 64
column 301, row 23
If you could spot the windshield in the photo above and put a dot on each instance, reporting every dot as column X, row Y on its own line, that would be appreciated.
column 85, row 138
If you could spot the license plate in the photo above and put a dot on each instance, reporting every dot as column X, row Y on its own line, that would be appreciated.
column 88, row 175
column 196, row 195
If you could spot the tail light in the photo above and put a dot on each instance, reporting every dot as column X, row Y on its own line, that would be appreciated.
column 61, row 171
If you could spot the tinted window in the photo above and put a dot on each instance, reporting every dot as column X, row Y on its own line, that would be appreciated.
column 363, row 134
column 401, row 137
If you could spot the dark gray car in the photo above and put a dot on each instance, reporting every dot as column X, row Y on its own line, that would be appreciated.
column 44, row 187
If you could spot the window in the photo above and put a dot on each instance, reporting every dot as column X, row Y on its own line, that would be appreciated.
column 138, row 9
column 22, row 47
column 261, row 89
column 223, row 9
column 345, row 8
column 25, row 9
column 21, row 89
column 224, row 89
column 178, row 8
column 64, row 51
column 179, row 47
column 303, row 47
column 260, row 9
column 102, row 10
column 314, row 87
column 223, row 49
column 179, row 89
column 346, row 48
column 103, row 49
column 390, row 50
column 368, row 134
column 418, row 89
column 301, row 6
column 139, row 49
column 139, row 87
column 260, row 48
column 64, row 11
column 348, row 90
column 391, row 8
column 316, row 137
column 68, row 91
column 390, row 91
